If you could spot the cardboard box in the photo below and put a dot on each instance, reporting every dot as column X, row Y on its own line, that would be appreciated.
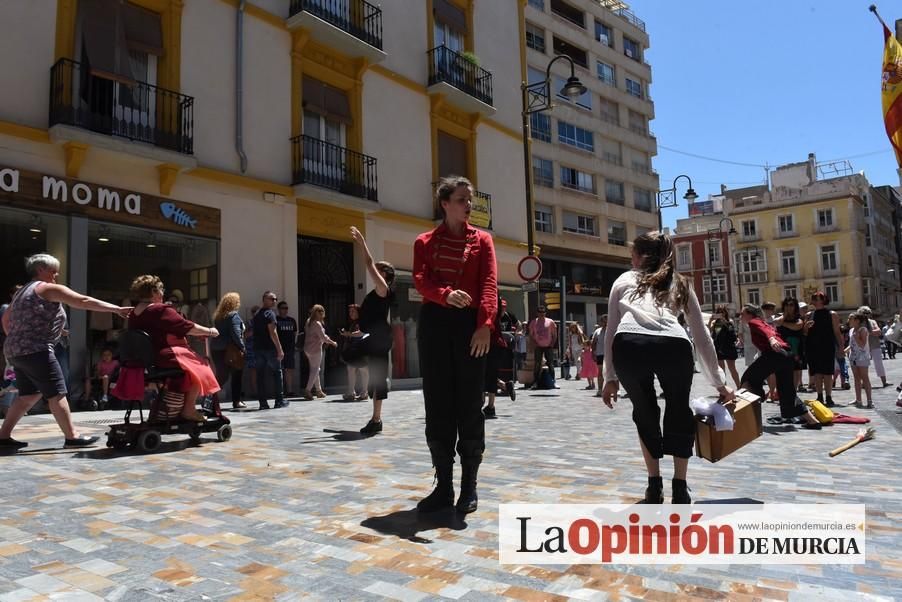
column 714, row 445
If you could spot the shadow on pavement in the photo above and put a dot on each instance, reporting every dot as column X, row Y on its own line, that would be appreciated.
column 166, row 447
column 338, row 436
column 406, row 524
column 731, row 500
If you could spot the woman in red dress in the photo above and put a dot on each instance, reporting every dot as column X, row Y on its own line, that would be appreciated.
column 168, row 329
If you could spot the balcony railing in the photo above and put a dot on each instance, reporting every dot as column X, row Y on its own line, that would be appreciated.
column 316, row 162
column 138, row 111
column 630, row 17
column 356, row 17
column 455, row 69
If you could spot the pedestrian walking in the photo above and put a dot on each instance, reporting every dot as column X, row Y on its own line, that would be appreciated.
column 873, row 341
column 355, row 360
column 250, row 356
column 723, row 332
column 287, row 327
column 588, row 367
column 169, row 331
column 598, row 349
column 822, row 341
column 860, row 356
column 573, row 351
column 228, row 350
column 791, row 329
column 775, row 359
column 644, row 340
column 521, row 339
column 543, row 333
column 314, row 338
column 33, row 323
column 374, row 321
column 455, row 271
column 498, row 356
column 268, row 352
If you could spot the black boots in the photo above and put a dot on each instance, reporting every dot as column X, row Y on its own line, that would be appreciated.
column 680, row 492
column 443, row 495
column 470, row 452
column 654, row 493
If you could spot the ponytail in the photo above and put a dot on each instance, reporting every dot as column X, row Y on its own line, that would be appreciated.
column 657, row 271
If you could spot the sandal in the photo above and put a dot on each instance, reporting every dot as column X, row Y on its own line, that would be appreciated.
column 778, row 420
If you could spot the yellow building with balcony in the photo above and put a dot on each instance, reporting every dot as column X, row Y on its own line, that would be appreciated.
column 803, row 234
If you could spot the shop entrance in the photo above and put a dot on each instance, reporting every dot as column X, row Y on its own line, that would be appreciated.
column 325, row 277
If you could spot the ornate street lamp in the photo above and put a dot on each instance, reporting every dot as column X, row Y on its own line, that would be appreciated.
column 667, row 198
column 536, row 99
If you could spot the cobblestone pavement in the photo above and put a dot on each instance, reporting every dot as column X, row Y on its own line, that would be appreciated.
column 297, row 505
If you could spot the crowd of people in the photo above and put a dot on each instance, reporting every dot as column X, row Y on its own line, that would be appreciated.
column 470, row 349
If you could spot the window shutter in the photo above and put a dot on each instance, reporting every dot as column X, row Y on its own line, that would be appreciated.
column 143, row 29
column 449, row 14
column 452, row 156
column 103, row 39
column 326, row 100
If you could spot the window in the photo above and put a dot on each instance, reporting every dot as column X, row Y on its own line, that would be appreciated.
column 828, row 258
column 867, row 209
column 754, row 296
column 825, row 219
column 867, row 235
column 786, row 225
column 579, row 224
column 544, row 219
column 788, row 262
column 570, row 13
column 606, row 73
column 640, row 230
column 616, row 233
column 638, row 123
column 749, row 229
column 715, row 288
column 642, row 199
column 632, row 49
column 535, row 37
column 684, row 257
column 540, row 127
column 575, row 136
column 452, row 155
column 751, row 266
column 640, row 161
column 538, row 4
column 634, row 88
column 604, row 34
column 870, row 261
column 610, row 110
column 610, row 151
column 866, row 291
column 449, row 25
column 832, row 291
column 578, row 55
column 613, row 192
column 577, row 180
column 790, row 292
column 200, row 280
column 584, row 100
column 713, row 248
column 542, row 172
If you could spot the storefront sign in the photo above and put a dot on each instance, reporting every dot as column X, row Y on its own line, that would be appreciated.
column 481, row 211
column 32, row 191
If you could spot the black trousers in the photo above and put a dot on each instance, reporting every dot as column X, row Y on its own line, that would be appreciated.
column 452, row 381
column 537, row 354
column 782, row 367
column 638, row 359
column 224, row 373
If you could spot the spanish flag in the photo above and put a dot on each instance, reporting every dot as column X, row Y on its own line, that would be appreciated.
column 892, row 91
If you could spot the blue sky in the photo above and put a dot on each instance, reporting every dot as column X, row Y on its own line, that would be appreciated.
column 765, row 82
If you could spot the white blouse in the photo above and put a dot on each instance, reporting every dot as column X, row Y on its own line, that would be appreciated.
column 644, row 316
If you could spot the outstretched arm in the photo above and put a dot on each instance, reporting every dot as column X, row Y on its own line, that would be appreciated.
column 381, row 286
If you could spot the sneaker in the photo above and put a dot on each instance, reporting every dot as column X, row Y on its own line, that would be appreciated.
column 371, row 428
column 280, row 404
column 11, row 443
column 870, row 405
column 489, row 412
column 846, row 386
column 82, row 441
column 511, row 392
column 104, row 399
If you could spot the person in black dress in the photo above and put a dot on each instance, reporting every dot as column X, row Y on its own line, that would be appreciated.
column 822, row 346
column 723, row 332
column 374, row 322
column 791, row 329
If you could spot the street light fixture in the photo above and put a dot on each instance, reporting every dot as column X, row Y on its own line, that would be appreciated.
column 537, row 99
column 667, row 198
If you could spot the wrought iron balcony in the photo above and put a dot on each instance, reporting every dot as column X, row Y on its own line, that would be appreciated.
column 356, row 17
column 137, row 111
column 461, row 72
column 320, row 163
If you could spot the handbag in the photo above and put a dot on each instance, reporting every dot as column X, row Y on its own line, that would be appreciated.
column 234, row 358
column 355, row 350
column 823, row 414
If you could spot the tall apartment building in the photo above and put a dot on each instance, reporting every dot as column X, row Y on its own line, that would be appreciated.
column 230, row 146
column 593, row 183
column 814, row 228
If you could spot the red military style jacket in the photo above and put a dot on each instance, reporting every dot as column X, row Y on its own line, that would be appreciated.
column 443, row 262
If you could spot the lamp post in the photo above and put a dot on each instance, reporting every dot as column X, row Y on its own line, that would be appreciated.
column 537, row 99
column 667, row 198
column 730, row 232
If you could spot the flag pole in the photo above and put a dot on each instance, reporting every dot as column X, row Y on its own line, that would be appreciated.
column 873, row 9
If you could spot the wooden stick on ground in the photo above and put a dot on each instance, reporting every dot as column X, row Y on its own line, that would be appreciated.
column 863, row 435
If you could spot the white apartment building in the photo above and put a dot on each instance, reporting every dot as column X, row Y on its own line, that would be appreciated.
column 593, row 183
column 230, row 145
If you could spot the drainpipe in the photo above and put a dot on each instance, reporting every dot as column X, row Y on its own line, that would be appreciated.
column 239, row 59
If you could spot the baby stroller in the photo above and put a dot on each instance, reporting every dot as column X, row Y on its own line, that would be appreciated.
column 136, row 351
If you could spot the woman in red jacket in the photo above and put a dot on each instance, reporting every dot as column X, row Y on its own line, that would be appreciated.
column 454, row 269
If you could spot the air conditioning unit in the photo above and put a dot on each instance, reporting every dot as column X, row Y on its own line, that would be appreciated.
column 628, row 52
column 603, row 38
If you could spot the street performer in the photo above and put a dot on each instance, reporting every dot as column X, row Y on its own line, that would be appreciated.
column 454, row 269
